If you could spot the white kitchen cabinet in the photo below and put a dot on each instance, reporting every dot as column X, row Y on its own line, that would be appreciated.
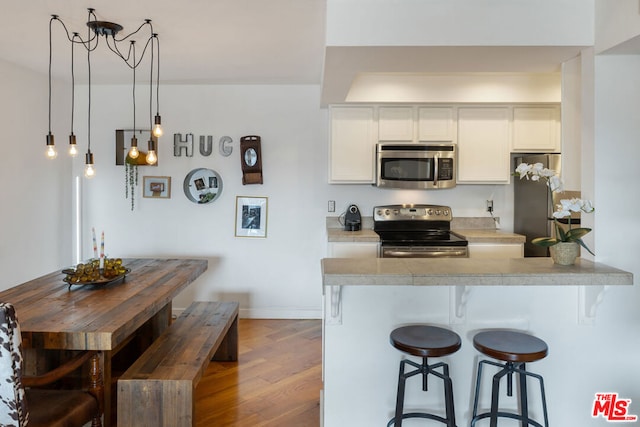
column 536, row 129
column 353, row 250
column 352, row 145
column 395, row 124
column 496, row 250
column 483, row 145
column 436, row 124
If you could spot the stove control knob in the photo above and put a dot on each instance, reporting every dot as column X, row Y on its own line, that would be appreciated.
column 445, row 212
column 438, row 212
column 387, row 212
column 429, row 212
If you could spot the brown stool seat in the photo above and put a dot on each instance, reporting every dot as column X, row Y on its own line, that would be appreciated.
column 425, row 340
column 510, row 346
column 514, row 350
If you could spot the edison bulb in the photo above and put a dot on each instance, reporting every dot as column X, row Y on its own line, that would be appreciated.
column 89, row 171
column 73, row 150
column 51, row 152
column 157, row 130
column 133, row 152
column 152, row 159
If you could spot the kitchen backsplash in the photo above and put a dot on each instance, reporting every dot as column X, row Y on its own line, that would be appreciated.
column 460, row 223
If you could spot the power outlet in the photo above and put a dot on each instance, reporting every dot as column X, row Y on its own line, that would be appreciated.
column 489, row 205
column 331, row 206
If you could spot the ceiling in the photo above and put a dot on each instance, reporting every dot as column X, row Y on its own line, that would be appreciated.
column 201, row 41
column 241, row 42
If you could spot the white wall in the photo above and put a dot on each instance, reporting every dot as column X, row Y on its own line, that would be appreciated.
column 456, row 87
column 273, row 277
column 34, row 221
column 459, row 23
column 616, row 23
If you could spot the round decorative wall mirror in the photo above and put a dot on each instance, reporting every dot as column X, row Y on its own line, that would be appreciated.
column 202, row 185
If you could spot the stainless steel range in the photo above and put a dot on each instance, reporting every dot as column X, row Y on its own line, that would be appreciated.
column 417, row 231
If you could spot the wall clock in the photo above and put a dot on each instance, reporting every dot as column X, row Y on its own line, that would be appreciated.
column 202, row 186
column 251, row 159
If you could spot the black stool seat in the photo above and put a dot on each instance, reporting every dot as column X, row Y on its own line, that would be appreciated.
column 425, row 341
column 515, row 349
column 510, row 346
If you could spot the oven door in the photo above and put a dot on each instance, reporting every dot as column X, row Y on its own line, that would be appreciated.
column 423, row 252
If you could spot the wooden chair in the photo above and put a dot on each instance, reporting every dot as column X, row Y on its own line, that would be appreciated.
column 22, row 403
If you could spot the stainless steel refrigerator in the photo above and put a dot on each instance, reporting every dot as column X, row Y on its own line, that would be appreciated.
column 532, row 206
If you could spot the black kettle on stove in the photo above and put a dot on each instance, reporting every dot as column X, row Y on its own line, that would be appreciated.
column 352, row 219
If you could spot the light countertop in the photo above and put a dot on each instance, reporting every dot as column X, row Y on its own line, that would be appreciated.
column 490, row 236
column 473, row 229
column 339, row 235
column 468, row 272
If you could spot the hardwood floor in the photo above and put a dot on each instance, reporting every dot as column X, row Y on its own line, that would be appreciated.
column 276, row 382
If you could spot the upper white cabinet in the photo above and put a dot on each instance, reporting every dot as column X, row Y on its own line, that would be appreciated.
column 352, row 145
column 436, row 124
column 485, row 134
column 399, row 123
column 536, row 128
column 483, row 145
column 395, row 124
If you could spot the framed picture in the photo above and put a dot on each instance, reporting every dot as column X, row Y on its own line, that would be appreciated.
column 251, row 216
column 157, row 187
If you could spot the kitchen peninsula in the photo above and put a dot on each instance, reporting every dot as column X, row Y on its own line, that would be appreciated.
column 367, row 298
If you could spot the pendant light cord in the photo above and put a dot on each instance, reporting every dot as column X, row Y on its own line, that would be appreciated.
column 53, row 17
column 151, row 95
column 73, row 82
column 89, row 80
column 133, row 45
column 155, row 36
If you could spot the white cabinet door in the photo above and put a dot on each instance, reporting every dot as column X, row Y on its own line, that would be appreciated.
column 435, row 124
column 536, row 129
column 352, row 145
column 353, row 250
column 483, row 145
column 395, row 124
column 493, row 251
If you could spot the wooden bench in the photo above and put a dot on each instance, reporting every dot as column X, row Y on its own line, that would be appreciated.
column 158, row 389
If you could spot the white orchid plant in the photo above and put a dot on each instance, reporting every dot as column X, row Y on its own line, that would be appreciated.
column 536, row 172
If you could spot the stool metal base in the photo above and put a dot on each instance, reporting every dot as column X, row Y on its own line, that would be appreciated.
column 508, row 369
column 425, row 369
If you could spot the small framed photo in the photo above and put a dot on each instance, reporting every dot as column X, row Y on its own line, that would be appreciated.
column 158, row 187
column 251, row 216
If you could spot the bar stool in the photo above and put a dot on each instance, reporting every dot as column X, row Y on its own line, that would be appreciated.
column 514, row 349
column 424, row 341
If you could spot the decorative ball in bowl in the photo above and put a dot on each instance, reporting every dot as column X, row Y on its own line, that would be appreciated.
column 90, row 273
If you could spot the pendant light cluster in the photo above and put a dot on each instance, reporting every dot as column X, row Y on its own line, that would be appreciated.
column 95, row 30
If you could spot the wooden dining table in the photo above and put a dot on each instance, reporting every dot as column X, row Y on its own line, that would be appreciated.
column 55, row 316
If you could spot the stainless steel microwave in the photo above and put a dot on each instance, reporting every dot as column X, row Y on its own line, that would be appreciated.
column 416, row 165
